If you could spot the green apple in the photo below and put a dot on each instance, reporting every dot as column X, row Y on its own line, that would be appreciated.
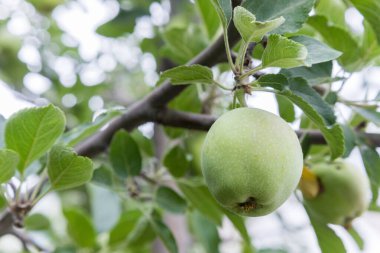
column 252, row 161
column 344, row 193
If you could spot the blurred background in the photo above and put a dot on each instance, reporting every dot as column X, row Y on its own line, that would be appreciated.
column 65, row 52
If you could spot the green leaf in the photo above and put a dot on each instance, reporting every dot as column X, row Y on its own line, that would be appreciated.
column 295, row 12
column 126, row 224
column 176, row 43
column 66, row 169
column 201, row 199
column 285, row 108
column 272, row 251
column 169, row 200
column 103, row 176
column 371, row 160
column 176, row 162
column 317, row 51
column 80, row 228
column 349, row 140
column 250, row 29
column 303, row 93
column 8, row 164
column 320, row 113
column 3, row 202
column 327, row 239
column 145, row 144
column 224, row 10
column 209, row 17
column 316, row 74
column 187, row 101
column 45, row 6
column 369, row 114
column 284, row 53
column 300, row 93
column 374, row 207
column 189, row 75
column 32, row 132
column 370, row 9
column 163, row 232
column 65, row 249
column 333, row 10
column 37, row 221
column 81, row 132
column 239, row 224
column 123, row 23
column 2, row 125
column 205, row 231
column 125, row 155
column 357, row 238
column 142, row 233
column 342, row 41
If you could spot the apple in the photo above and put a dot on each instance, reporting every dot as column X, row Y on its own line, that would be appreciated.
column 251, row 161
column 344, row 193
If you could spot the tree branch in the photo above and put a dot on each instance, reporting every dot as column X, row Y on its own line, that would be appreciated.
column 144, row 110
column 203, row 122
column 27, row 241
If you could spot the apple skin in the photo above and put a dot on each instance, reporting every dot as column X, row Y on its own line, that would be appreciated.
column 252, row 161
column 344, row 193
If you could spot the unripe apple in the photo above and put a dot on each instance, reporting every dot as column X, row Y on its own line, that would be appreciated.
column 252, row 161
column 343, row 195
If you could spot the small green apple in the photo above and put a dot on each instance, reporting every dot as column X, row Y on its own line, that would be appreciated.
column 252, row 161
column 344, row 193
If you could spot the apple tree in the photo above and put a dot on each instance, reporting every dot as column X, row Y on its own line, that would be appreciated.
column 147, row 126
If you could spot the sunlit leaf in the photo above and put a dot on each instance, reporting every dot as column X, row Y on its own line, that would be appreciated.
column 32, row 132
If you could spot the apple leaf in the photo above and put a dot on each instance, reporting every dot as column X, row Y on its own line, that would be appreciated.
column 125, row 155
column 369, row 114
column 169, row 200
column 357, row 237
column 209, row 17
column 189, row 74
column 123, row 23
column 370, row 9
column 295, row 12
column 301, row 94
column 163, row 232
column 224, row 10
column 250, row 29
column 33, row 131
column 317, row 51
column 286, row 108
column 200, row 198
column 371, row 160
column 342, row 41
column 205, row 231
column 80, row 228
column 2, row 125
column 125, row 225
column 176, row 162
column 327, row 239
column 8, row 164
column 316, row 74
column 66, row 169
column 81, row 132
column 284, row 53
column 37, row 221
